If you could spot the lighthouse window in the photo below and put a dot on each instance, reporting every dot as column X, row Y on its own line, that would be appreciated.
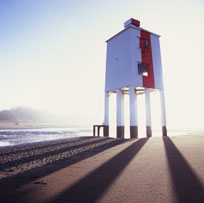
column 142, row 69
column 145, row 43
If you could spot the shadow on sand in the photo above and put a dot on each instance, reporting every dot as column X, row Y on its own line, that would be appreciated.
column 92, row 187
column 188, row 188
column 38, row 146
column 41, row 156
column 9, row 185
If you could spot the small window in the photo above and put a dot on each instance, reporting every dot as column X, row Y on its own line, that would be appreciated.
column 145, row 43
column 142, row 69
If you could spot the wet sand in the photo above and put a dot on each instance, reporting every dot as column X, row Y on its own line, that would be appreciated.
column 89, row 169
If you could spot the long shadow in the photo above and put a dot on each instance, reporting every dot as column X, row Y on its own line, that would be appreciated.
column 187, row 186
column 38, row 145
column 41, row 156
column 9, row 185
column 17, row 181
column 92, row 187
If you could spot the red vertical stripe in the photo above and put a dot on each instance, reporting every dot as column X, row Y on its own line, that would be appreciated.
column 148, row 81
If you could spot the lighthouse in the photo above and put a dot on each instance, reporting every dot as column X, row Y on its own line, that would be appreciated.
column 133, row 67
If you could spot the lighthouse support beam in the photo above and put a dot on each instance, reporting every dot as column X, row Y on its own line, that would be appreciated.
column 106, row 115
column 163, row 113
column 148, row 113
column 133, row 113
column 120, row 114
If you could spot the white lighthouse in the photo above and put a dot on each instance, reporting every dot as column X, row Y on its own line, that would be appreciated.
column 133, row 66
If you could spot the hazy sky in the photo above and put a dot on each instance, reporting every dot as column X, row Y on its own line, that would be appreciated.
column 52, row 55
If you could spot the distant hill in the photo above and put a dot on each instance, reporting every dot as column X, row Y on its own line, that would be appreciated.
column 23, row 114
column 29, row 115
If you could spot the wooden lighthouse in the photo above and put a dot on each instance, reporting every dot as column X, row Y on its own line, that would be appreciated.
column 133, row 66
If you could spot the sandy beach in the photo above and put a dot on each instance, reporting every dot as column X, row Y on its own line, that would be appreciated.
column 97, row 169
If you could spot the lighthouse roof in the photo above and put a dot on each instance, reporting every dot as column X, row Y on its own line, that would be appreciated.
column 131, row 24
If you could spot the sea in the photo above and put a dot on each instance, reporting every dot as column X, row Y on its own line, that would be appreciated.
column 12, row 137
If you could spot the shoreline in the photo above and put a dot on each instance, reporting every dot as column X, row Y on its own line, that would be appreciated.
column 13, row 126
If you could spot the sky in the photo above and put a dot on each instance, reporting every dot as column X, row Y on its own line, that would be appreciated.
column 53, row 54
